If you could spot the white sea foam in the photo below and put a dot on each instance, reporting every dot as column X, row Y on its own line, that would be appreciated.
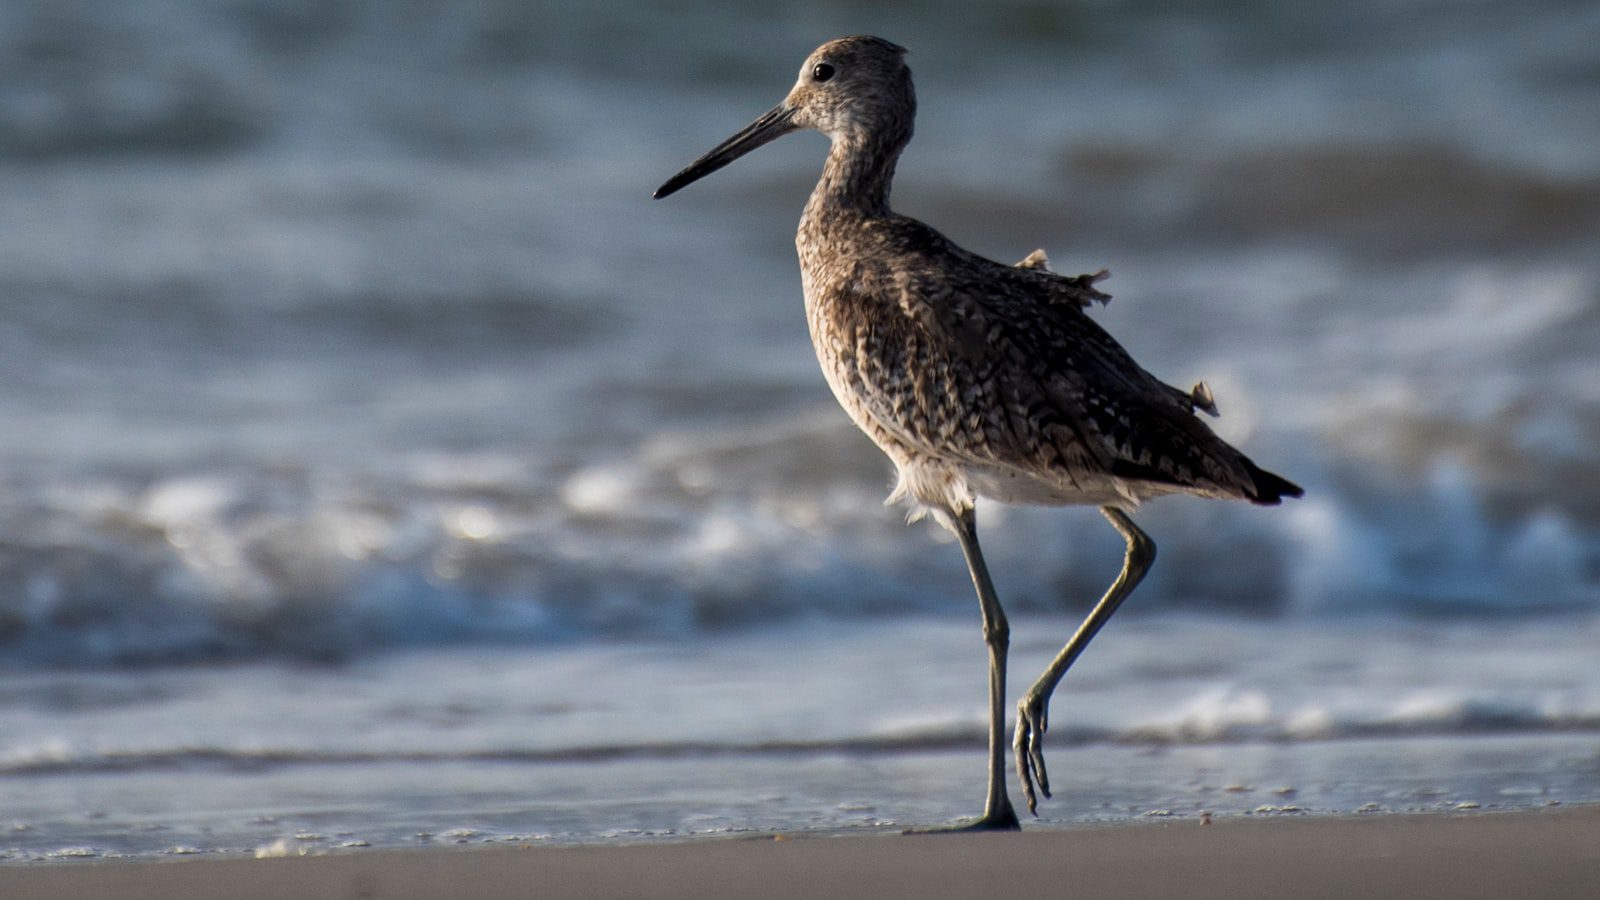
column 269, row 563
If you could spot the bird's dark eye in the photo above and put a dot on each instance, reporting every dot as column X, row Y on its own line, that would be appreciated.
column 822, row 72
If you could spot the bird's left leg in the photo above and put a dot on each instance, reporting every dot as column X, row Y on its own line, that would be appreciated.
column 998, row 814
column 1033, row 708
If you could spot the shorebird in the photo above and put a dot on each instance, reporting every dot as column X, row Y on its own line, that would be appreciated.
column 977, row 378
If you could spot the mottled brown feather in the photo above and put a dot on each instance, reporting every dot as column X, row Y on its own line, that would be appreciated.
column 973, row 375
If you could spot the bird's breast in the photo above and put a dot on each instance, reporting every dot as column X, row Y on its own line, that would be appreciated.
column 901, row 384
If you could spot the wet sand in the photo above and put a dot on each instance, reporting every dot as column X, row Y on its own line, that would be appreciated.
column 1549, row 853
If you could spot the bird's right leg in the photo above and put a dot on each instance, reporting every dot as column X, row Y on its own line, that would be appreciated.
column 1033, row 709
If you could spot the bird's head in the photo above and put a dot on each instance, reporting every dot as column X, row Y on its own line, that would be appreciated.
column 850, row 89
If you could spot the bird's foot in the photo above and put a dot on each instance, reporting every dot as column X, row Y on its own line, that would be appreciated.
column 1032, row 722
column 1003, row 819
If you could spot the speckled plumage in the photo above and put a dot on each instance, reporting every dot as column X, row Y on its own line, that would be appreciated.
column 978, row 379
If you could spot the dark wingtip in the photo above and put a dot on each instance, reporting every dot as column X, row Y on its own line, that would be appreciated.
column 1271, row 489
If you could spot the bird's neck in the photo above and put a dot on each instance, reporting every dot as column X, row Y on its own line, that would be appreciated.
column 858, row 173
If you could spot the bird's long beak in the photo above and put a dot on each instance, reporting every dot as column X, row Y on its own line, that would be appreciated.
column 775, row 123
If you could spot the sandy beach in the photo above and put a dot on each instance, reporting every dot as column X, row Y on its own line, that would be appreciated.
column 1552, row 853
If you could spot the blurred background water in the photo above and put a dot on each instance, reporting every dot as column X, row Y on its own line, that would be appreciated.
column 346, row 335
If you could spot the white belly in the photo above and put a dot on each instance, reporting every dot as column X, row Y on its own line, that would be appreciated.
column 1014, row 486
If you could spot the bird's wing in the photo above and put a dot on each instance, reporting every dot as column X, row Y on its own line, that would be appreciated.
column 996, row 371
column 1081, row 291
column 1070, row 369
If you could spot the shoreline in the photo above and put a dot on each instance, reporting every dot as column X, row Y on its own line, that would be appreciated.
column 1551, row 852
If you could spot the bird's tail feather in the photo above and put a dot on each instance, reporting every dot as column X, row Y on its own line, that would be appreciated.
column 1270, row 489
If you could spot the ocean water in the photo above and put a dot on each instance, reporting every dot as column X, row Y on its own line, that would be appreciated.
column 827, row 728
column 378, row 459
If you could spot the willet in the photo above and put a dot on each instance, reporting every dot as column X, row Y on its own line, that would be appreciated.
column 978, row 379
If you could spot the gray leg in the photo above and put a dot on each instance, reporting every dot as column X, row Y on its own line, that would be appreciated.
column 997, row 812
column 1033, row 708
